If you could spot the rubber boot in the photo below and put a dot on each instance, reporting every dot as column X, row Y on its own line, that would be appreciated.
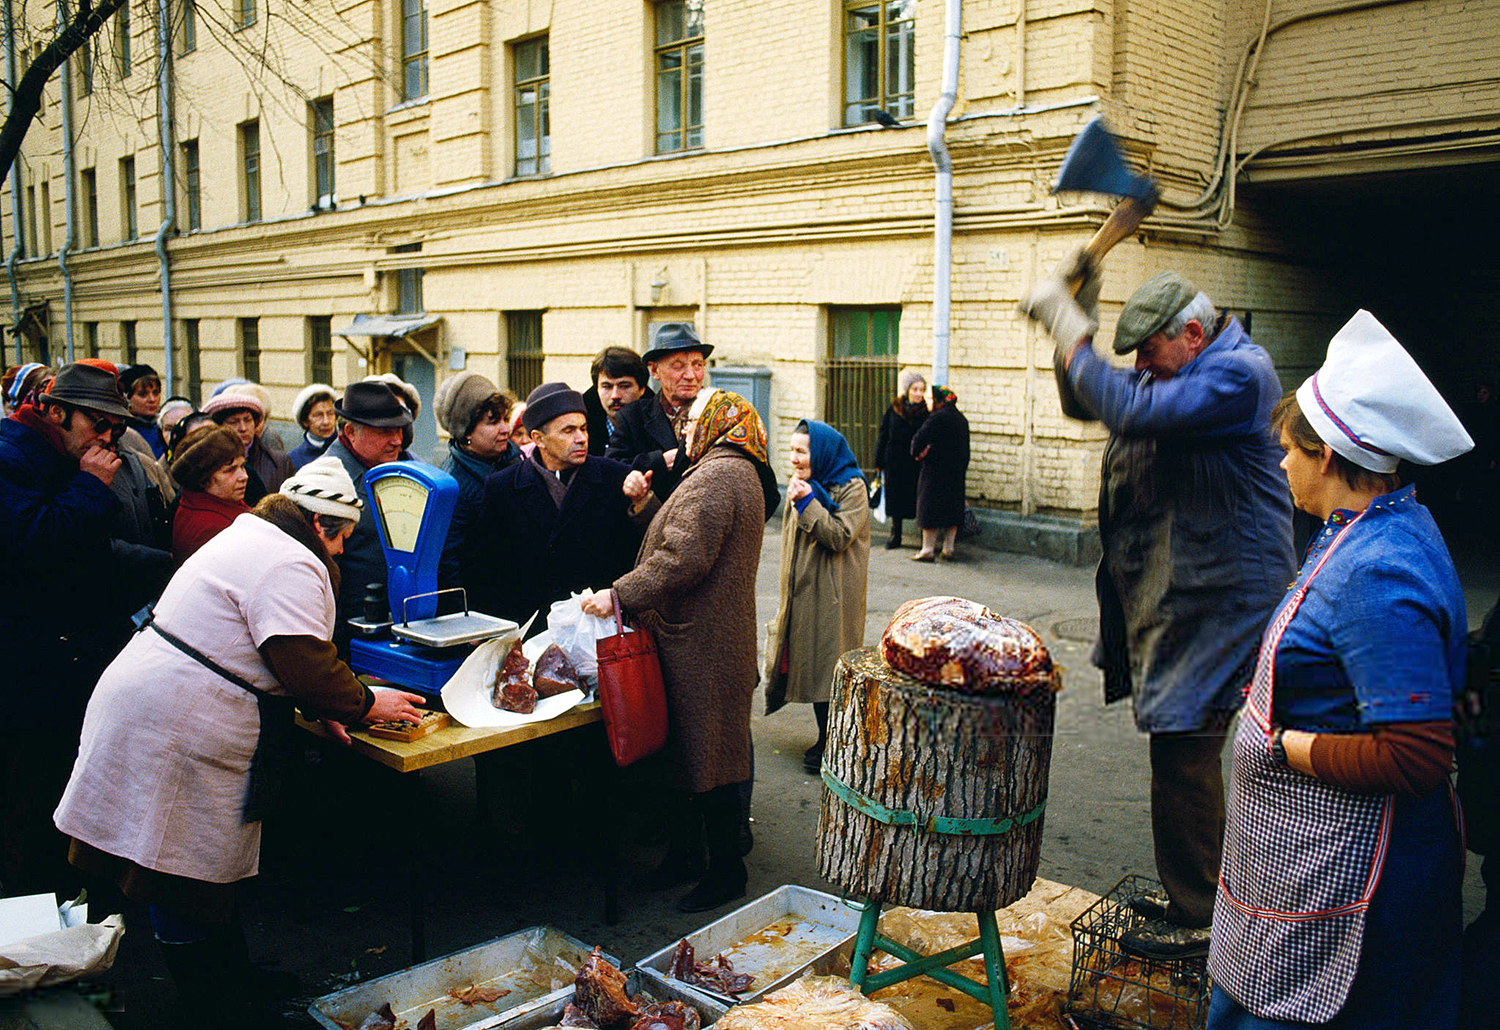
column 726, row 877
column 895, row 540
column 684, row 859
column 812, row 758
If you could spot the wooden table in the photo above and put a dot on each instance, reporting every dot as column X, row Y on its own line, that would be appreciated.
column 454, row 742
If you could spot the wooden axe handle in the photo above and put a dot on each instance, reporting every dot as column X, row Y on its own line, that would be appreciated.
column 1122, row 222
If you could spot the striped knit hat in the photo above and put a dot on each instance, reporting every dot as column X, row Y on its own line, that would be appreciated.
column 324, row 487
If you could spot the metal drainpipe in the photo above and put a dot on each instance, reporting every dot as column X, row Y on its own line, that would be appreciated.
column 69, row 175
column 937, row 145
column 167, row 133
column 15, row 192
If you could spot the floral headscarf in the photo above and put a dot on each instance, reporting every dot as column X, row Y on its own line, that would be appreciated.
column 729, row 418
column 942, row 395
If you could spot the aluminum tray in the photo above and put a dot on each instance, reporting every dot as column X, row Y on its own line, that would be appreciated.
column 535, row 965
column 708, row 1009
column 775, row 938
column 452, row 629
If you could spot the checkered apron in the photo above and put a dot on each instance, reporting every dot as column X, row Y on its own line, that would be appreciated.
column 1302, row 859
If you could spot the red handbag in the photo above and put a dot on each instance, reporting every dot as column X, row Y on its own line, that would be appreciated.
column 631, row 692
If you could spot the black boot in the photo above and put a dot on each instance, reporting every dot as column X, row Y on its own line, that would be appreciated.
column 812, row 758
column 725, row 879
column 895, row 540
column 684, row 859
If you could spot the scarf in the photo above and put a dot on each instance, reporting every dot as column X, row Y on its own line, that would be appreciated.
column 942, row 395
column 832, row 461
column 729, row 418
column 909, row 412
column 557, row 483
column 31, row 416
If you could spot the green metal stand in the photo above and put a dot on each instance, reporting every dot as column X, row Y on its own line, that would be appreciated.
column 992, row 993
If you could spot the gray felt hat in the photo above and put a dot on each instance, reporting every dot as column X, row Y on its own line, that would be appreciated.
column 672, row 337
column 1153, row 305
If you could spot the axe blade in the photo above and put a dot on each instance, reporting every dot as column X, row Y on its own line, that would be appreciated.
column 1093, row 164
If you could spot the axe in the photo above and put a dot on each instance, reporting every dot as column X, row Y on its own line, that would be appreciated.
column 1093, row 165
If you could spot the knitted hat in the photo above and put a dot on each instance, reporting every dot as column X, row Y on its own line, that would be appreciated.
column 906, row 378
column 324, row 487
column 87, row 386
column 25, row 379
column 459, row 399
column 255, row 390
column 171, row 405
column 309, row 396
column 1156, row 302
column 548, row 401
column 202, row 453
column 221, row 406
column 407, row 392
column 226, row 384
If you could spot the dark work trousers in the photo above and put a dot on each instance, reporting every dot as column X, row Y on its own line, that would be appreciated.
column 1187, row 818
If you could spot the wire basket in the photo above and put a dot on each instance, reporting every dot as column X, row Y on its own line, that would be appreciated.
column 1111, row 988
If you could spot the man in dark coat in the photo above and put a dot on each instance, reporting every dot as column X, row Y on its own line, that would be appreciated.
column 372, row 425
column 620, row 377
column 58, row 612
column 648, row 433
column 557, row 523
column 1195, row 519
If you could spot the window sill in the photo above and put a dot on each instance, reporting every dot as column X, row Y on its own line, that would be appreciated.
column 409, row 110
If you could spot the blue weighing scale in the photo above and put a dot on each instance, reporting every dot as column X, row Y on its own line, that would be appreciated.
column 418, row 649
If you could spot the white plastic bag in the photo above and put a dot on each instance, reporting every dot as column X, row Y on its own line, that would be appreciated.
column 577, row 633
column 878, row 512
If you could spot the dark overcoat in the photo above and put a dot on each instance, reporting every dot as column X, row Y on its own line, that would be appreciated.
column 642, row 434
column 363, row 560
column 893, row 458
column 694, row 587
column 526, row 552
column 941, row 483
column 470, row 473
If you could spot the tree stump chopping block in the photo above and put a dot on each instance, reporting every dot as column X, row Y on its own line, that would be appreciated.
column 932, row 798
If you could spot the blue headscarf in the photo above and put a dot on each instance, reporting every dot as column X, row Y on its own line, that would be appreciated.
column 832, row 461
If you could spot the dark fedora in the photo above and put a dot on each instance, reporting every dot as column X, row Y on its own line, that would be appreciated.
column 372, row 404
column 87, row 386
column 672, row 337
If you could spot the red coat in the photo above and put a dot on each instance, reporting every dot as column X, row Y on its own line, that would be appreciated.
column 201, row 517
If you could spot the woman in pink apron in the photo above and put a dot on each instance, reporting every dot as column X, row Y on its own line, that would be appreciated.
column 1339, row 896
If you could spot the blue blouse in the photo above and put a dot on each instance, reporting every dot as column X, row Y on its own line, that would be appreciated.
column 1380, row 635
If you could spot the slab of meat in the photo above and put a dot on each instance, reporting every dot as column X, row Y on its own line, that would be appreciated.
column 429, row 1021
column 515, row 661
column 668, row 1015
column 962, row 645
column 381, row 1019
column 682, row 961
column 599, row 990
column 514, row 693
column 718, row 975
column 554, row 673
column 573, row 1016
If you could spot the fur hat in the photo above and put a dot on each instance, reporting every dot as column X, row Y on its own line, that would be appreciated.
column 323, row 486
column 548, row 401
column 459, row 399
column 309, row 396
column 202, row 453
column 255, row 390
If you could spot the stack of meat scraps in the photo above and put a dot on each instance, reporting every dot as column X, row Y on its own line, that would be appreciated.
column 826, row 1002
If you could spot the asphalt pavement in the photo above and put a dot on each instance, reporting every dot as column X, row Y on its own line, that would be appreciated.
column 358, row 846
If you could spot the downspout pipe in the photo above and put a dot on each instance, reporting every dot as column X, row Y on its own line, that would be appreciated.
column 167, row 132
column 70, row 178
column 15, row 190
column 937, row 146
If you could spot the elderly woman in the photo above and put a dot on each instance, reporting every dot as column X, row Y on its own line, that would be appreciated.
column 898, row 469
column 1339, row 899
column 693, row 586
column 210, row 468
column 825, row 562
column 169, row 806
column 313, row 411
column 941, row 445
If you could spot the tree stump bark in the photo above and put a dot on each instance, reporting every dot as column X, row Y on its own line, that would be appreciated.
column 909, row 747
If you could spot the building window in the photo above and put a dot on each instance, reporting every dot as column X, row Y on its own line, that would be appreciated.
column 46, row 213
column 408, row 283
column 413, row 49
column 30, row 247
column 320, row 339
column 90, row 190
column 122, row 39
column 194, row 360
column 679, row 75
column 250, row 158
column 86, row 68
column 860, row 377
column 192, row 177
column 250, row 349
column 127, row 198
column 523, row 351
column 533, row 124
column 189, row 26
column 320, row 117
column 879, row 59
column 127, row 343
column 246, row 13
column 91, row 339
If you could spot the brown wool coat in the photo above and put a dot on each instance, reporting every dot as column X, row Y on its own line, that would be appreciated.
column 825, row 565
column 694, row 587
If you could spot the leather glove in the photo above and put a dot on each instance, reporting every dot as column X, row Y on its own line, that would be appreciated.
column 1081, row 271
column 1052, row 306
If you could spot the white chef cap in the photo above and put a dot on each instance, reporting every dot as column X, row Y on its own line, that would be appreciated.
column 1372, row 404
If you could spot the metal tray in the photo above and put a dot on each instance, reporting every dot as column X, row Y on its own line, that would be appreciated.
column 452, row 629
column 775, row 938
column 709, row 1010
column 535, row 965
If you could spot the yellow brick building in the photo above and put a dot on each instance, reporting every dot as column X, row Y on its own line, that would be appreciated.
column 514, row 184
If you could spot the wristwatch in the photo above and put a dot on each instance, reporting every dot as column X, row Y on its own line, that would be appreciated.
column 1278, row 749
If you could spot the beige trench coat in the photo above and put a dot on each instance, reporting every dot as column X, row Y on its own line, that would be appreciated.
column 825, row 565
column 694, row 587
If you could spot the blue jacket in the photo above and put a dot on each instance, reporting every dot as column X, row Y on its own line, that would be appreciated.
column 306, row 451
column 1195, row 521
column 59, row 607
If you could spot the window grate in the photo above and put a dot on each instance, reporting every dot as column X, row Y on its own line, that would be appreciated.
column 523, row 352
column 859, row 374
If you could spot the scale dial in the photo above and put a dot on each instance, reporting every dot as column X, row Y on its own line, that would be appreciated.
column 401, row 503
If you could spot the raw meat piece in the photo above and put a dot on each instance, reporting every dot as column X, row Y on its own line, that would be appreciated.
column 515, row 661
column 599, row 990
column 950, row 642
column 381, row 1019
column 668, row 1015
column 514, row 694
column 718, row 975
column 682, row 961
column 475, row 995
column 573, row 1016
column 554, row 673
column 429, row 1021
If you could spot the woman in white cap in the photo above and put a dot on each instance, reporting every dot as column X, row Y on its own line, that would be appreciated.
column 313, row 411
column 1339, row 898
column 180, row 743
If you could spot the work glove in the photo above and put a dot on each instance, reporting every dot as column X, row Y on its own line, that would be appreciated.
column 1067, row 319
column 1082, row 272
